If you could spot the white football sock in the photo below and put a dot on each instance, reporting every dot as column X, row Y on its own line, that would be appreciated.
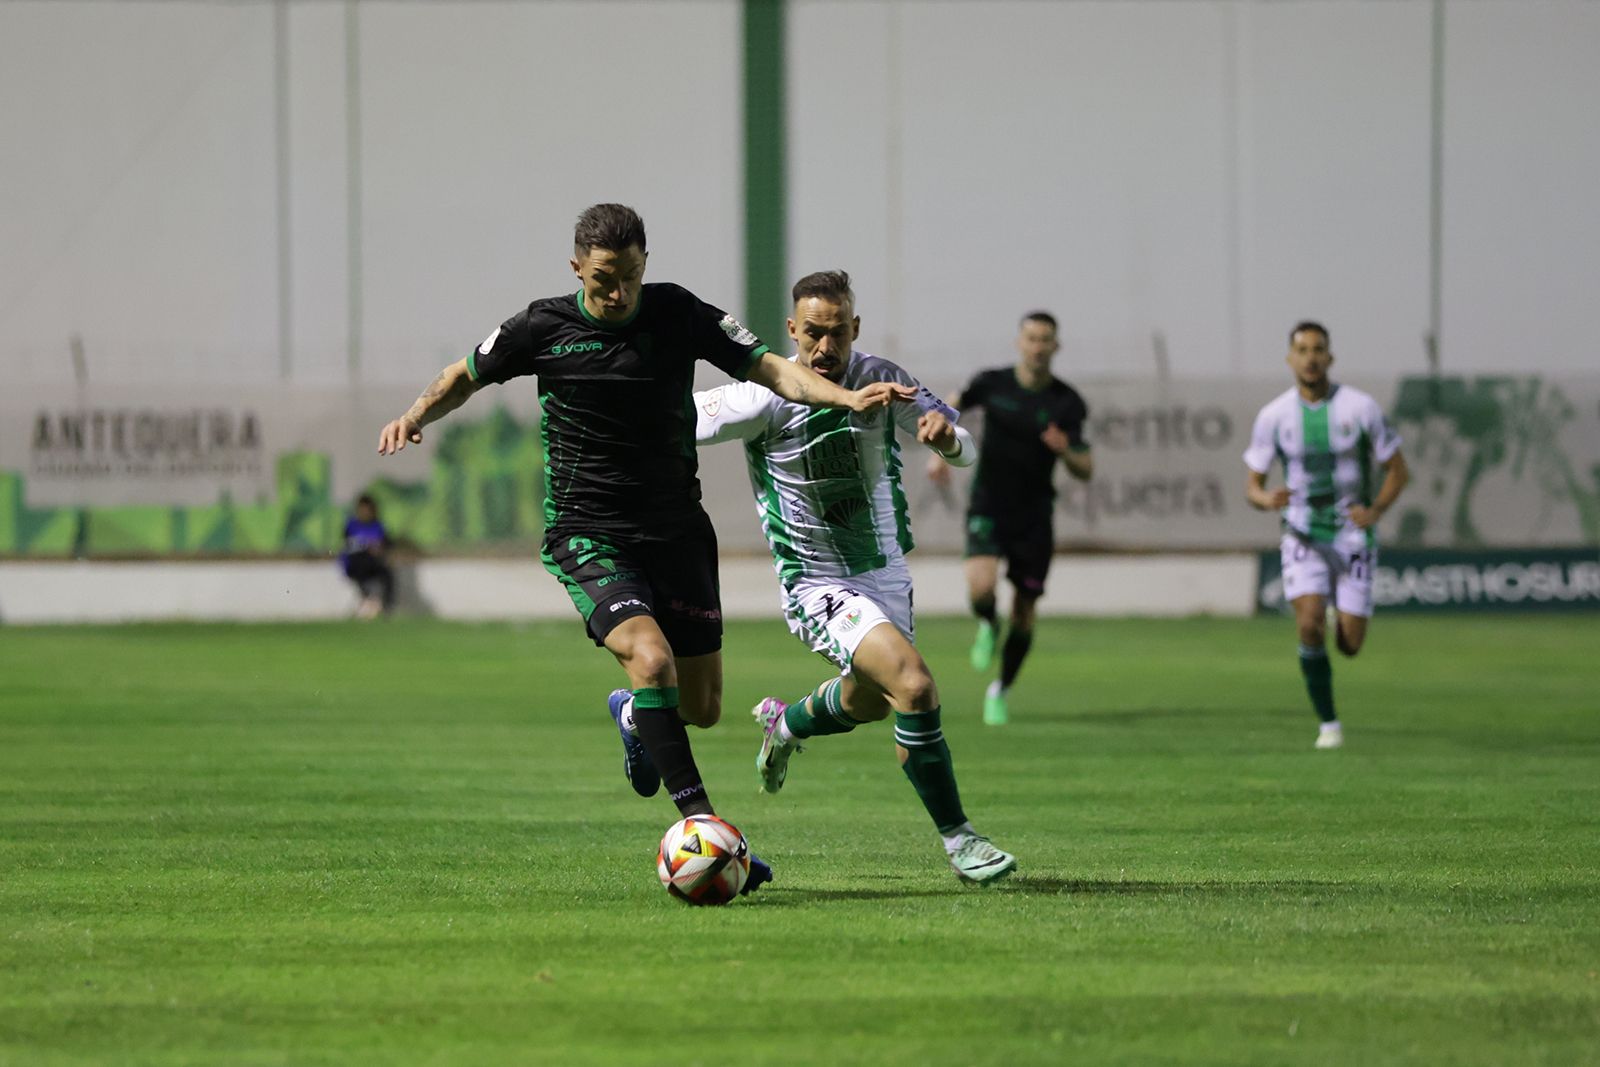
column 953, row 841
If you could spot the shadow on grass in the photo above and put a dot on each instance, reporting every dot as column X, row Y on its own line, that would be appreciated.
column 1046, row 884
column 780, row 896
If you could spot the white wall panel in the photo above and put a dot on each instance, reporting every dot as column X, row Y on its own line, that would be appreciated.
column 138, row 207
column 318, row 177
column 1522, row 170
column 1066, row 156
column 487, row 127
column 1335, row 180
column 1212, row 170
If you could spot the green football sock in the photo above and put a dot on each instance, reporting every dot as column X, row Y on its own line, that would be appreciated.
column 929, row 767
column 819, row 712
column 1319, row 680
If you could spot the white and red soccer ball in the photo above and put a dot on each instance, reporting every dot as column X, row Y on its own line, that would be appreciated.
column 703, row 860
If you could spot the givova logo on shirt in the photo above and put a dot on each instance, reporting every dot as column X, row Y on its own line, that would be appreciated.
column 576, row 347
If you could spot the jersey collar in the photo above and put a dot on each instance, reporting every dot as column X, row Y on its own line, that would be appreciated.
column 1333, row 390
column 592, row 321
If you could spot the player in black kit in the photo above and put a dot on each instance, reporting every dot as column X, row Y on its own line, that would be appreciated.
column 624, row 530
column 1030, row 419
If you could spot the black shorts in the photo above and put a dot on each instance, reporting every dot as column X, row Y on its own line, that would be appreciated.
column 673, row 581
column 1027, row 543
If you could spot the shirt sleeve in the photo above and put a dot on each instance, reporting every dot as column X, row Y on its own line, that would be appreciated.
column 1074, row 418
column 905, row 414
column 737, row 412
column 1385, row 439
column 720, row 339
column 510, row 352
column 976, row 392
column 1263, row 443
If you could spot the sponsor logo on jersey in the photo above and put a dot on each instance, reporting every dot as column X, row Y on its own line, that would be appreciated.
column 488, row 342
column 832, row 455
column 631, row 602
column 576, row 347
column 736, row 331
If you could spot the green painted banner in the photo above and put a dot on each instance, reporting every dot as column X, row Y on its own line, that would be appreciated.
column 481, row 489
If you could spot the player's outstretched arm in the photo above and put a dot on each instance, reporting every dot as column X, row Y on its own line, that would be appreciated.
column 805, row 386
column 443, row 395
column 1395, row 476
column 1260, row 497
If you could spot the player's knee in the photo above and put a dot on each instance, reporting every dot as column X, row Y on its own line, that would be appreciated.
column 1313, row 632
column 651, row 664
column 915, row 691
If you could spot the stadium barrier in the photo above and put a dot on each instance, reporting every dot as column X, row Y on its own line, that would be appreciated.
column 305, row 590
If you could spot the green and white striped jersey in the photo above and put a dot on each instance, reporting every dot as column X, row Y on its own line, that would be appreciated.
column 1328, row 450
column 827, row 482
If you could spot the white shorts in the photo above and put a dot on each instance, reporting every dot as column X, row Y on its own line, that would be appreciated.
column 832, row 615
column 1341, row 570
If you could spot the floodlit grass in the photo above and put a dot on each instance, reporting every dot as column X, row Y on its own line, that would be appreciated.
column 411, row 843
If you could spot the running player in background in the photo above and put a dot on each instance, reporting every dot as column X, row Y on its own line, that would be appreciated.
column 624, row 530
column 1327, row 437
column 1030, row 420
column 827, row 487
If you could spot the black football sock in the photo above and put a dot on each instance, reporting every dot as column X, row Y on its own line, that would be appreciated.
column 655, row 718
column 1012, row 653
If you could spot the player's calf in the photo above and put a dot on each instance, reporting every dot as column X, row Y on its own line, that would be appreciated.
column 1350, row 633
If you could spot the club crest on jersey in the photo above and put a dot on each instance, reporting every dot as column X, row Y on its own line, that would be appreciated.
column 712, row 403
column 736, row 331
column 851, row 620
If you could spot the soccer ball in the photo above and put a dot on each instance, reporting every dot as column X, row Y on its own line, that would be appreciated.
column 703, row 860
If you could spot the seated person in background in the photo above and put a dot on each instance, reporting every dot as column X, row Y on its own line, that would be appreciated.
column 365, row 558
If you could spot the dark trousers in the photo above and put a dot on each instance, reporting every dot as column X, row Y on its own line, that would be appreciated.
column 372, row 575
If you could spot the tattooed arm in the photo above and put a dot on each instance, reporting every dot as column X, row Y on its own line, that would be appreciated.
column 805, row 386
column 443, row 395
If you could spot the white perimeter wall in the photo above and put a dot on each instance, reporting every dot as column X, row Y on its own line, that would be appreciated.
column 1206, row 170
column 1211, row 171
column 34, row 593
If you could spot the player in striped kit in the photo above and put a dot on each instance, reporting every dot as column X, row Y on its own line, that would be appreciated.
column 832, row 508
column 1328, row 437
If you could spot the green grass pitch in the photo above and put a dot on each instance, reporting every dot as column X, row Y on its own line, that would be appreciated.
column 410, row 842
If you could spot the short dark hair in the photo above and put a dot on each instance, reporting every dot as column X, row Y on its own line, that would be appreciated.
column 828, row 284
column 366, row 498
column 1040, row 316
column 1309, row 325
column 609, row 226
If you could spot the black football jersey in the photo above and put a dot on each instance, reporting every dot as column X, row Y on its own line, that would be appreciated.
column 1014, row 466
column 618, row 404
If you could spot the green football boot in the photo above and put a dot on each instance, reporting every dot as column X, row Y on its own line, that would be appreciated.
column 977, row 862
column 983, row 647
column 995, row 712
